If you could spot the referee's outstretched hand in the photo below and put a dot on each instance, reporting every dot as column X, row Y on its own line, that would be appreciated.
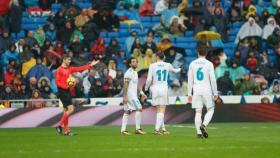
column 94, row 62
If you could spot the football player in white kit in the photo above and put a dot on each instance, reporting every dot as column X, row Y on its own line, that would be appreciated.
column 202, row 90
column 130, row 97
column 157, row 81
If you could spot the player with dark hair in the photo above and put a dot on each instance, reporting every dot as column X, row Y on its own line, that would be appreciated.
column 130, row 97
column 63, row 73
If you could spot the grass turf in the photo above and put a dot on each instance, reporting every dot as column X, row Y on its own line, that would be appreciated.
column 226, row 140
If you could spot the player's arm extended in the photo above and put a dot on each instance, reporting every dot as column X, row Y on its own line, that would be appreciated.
column 149, row 78
column 125, row 87
column 175, row 70
column 213, row 81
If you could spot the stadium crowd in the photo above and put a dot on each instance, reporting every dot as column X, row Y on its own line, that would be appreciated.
column 114, row 30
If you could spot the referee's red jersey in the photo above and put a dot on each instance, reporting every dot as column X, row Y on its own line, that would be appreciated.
column 62, row 74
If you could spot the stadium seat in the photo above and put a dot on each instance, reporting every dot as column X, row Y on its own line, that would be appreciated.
column 123, row 26
column 147, row 25
column 145, row 19
column 56, row 7
column 113, row 34
column 189, row 33
column 124, row 33
column 84, row 5
column 103, row 34
column 229, row 52
column 231, row 38
column 185, row 39
column 230, row 45
column 135, row 26
column 156, row 19
column 107, row 40
column 190, row 53
column 121, row 40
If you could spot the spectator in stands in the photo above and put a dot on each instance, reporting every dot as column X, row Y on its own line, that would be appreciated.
column 264, row 88
column 96, row 89
column 106, row 20
column 237, row 58
column 274, row 39
column 50, row 32
column 121, row 60
column 269, row 28
column 10, row 75
column 8, row 93
column 236, row 71
column 26, row 54
column 23, row 93
column 176, row 27
column 37, row 100
column 277, row 16
column 252, row 61
column 15, row 16
column 247, row 86
column 147, row 8
column 149, row 58
column 167, row 14
column 275, row 88
column 38, row 71
column 112, row 68
column 121, row 12
column 45, row 4
column 149, row 44
column 53, row 57
column 140, row 58
column 77, row 47
column 225, row 84
column 113, row 48
column 136, row 45
column 66, row 32
column 30, row 40
column 175, row 89
column 129, row 41
column 220, row 23
column 213, row 6
column 10, row 54
column 161, row 6
column 20, row 45
column 249, row 29
column 200, row 26
column 59, row 48
column 164, row 44
column 273, row 8
column 99, row 47
column 5, row 41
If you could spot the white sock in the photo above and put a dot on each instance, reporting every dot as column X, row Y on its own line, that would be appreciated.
column 162, row 124
column 198, row 121
column 208, row 116
column 124, row 122
column 159, row 120
column 138, row 119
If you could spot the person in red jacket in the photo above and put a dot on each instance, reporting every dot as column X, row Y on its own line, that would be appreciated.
column 62, row 74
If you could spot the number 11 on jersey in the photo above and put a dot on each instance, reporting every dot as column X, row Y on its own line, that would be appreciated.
column 162, row 75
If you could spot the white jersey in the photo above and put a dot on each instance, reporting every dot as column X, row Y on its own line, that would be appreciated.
column 132, row 76
column 201, row 78
column 158, row 73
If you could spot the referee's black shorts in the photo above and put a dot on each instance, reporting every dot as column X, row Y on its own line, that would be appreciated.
column 65, row 97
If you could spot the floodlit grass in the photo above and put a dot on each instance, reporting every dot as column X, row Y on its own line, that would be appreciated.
column 226, row 140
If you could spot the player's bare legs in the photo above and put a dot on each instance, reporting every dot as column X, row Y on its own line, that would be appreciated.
column 138, row 118
column 124, row 123
column 198, row 121
column 160, row 127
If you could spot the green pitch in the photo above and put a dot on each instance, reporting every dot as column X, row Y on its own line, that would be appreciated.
column 230, row 140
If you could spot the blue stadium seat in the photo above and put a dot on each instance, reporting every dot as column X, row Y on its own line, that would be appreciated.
column 103, row 34
column 107, row 40
column 237, row 24
column 121, row 40
column 185, row 39
column 84, row 5
column 25, row 14
column 113, row 34
column 135, row 26
column 29, row 26
column 56, row 7
column 231, row 38
column 230, row 45
column 189, row 33
column 229, row 52
column 156, row 19
column 124, row 33
column 147, row 25
column 190, row 53
column 145, row 19
column 123, row 26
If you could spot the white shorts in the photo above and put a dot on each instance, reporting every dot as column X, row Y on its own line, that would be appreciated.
column 198, row 101
column 159, row 96
column 133, row 104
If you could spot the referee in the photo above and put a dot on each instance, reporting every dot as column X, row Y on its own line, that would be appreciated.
column 62, row 74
